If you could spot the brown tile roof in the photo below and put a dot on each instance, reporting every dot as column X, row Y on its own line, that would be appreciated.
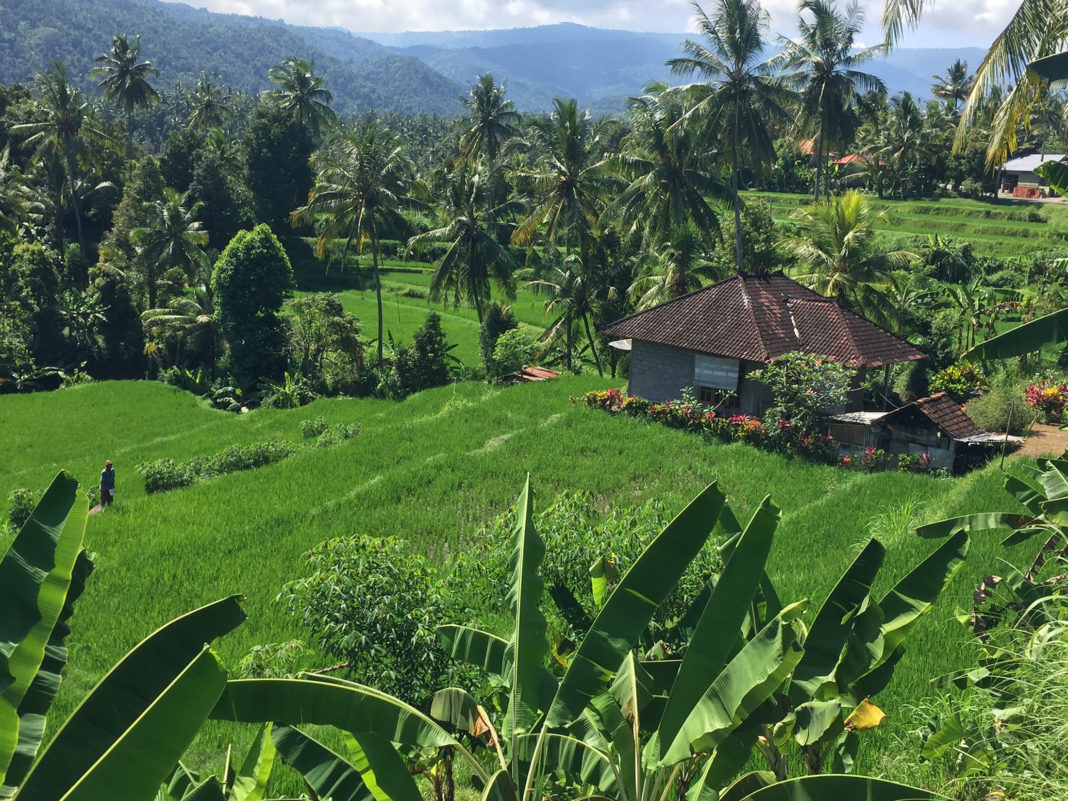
column 762, row 317
column 941, row 410
column 530, row 374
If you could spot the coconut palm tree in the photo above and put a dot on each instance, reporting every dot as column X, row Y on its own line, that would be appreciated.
column 571, row 299
column 678, row 270
column 571, row 180
column 955, row 86
column 15, row 195
column 302, row 93
column 188, row 321
column 742, row 95
column 824, row 62
column 58, row 137
column 208, row 107
column 840, row 257
column 124, row 80
column 363, row 181
column 173, row 239
column 493, row 120
column 474, row 256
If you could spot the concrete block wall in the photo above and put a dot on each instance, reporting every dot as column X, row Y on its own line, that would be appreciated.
column 659, row 372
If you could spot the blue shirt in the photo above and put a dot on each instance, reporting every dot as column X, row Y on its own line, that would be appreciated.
column 107, row 478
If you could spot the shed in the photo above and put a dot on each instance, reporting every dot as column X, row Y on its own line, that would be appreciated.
column 1019, row 178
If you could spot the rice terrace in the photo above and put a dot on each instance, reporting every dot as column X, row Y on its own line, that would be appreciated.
column 541, row 414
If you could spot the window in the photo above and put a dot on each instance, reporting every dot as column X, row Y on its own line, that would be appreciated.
column 717, row 397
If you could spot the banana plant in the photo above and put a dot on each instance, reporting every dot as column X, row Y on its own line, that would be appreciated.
column 42, row 573
column 617, row 726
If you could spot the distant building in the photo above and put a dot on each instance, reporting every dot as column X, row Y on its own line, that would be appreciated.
column 1018, row 176
column 711, row 339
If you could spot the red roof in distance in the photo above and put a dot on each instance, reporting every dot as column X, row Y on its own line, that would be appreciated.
column 757, row 318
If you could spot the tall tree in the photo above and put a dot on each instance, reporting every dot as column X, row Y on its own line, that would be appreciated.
column 303, row 94
column 955, row 86
column 571, row 299
column 824, row 60
column 742, row 95
column 277, row 151
column 173, row 239
column 493, row 120
column 208, row 106
column 474, row 256
column 363, row 180
column 124, row 80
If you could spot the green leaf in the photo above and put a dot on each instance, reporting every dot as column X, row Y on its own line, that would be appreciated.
column 528, row 648
column 124, row 695
column 720, row 624
column 632, row 604
column 329, row 775
column 474, row 647
column 749, row 679
column 1055, row 173
column 251, row 781
column 833, row 787
column 603, row 573
column 500, row 788
column 948, row 735
column 42, row 692
column 35, row 574
column 382, row 769
column 745, row 785
column 1042, row 332
column 328, row 701
column 140, row 759
column 458, row 708
column 724, row 763
column 208, row 790
column 983, row 521
column 578, row 760
column 826, row 640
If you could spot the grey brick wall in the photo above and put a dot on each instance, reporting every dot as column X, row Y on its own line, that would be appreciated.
column 659, row 372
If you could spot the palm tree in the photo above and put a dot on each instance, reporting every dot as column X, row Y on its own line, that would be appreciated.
column 955, row 86
column 679, row 270
column 742, row 95
column 172, row 239
column 571, row 180
column 208, row 107
column 14, row 194
column 825, row 61
column 474, row 255
column 363, row 181
column 842, row 259
column 58, row 139
column 571, row 299
column 302, row 93
column 188, row 321
column 493, row 120
column 124, row 80
column 666, row 198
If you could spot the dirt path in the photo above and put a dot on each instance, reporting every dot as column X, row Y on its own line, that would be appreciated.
column 1044, row 440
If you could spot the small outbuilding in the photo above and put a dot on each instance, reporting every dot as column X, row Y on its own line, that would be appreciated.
column 711, row 339
column 936, row 427
column 1018, row 176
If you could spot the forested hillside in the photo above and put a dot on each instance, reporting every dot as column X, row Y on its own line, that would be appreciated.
column 184, row 43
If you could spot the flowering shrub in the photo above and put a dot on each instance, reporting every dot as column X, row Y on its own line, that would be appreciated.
column 805, row 383
column 960, row 381
column 1050, row 399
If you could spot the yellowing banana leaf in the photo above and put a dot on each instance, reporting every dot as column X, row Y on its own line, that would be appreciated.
column 834, row 787
column 124, row 695
column 35, row 574
column 474, row 647
column 866, row 716
column 631, row 605
column 328, row 774
column 138, row 761
column 459, row 708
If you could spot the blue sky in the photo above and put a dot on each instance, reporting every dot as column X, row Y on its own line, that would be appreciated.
column 947, row 23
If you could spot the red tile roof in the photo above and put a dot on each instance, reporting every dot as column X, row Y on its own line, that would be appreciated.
column 762, row 317
column 944, row 412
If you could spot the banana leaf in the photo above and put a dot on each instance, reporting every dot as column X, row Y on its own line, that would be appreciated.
column 724, row 763
column 833, row 787
column 42, row 692
column 575, row 758
column 328, row 774
column 207, row 790
column 382, row 769
column 139, row 760
column 982, row 521
column 474, row 647
column 500, row 788
column 748, row 680
column 632, row 604
column 720, row 623
column 459, row 708
column 35, row 574
column 250, row 783
column 124, row 695
column 1042, row 332
column 329, row 701
column 1054, row 172
column 528, row 647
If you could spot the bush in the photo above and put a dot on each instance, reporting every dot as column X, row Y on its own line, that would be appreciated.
column 498, row 319
column 310, row 429
column 422, row 365
column 20, row 504
column 513, row 351
column 804, row 384
column 1001, row 409
column 337, row 434
column 166, row 474
column 960, row 381
column 375, row 606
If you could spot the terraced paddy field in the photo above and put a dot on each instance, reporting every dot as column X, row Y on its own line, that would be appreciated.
column 1008, row 228
column 432, row 470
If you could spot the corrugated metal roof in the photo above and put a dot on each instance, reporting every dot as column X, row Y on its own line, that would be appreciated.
column 1028, row 163
column 757, row 318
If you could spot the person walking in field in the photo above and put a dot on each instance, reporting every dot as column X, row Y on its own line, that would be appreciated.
column 107, row 484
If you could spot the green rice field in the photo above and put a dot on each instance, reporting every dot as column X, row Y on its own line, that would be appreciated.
column 432, row 470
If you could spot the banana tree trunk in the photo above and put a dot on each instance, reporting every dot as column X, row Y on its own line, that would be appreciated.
column 593, row 347
column 737, row 201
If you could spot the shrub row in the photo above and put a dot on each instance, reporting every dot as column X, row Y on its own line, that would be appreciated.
column 167, row 474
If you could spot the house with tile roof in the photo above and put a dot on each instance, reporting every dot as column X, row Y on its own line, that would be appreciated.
column 712, row 339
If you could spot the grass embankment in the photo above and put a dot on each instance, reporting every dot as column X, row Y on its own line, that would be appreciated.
column 432, row 470
column 1007, row 228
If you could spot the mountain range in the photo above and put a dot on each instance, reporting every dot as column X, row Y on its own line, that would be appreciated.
column 403, row 72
